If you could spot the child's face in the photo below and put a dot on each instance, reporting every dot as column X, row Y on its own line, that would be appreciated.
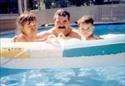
column 86, row 29
column 30, row 28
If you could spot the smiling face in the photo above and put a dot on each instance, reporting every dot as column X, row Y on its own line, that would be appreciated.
column 86, row 29
column 85, row 26
column 30, row 28
column 27, row 24
column 61, row 22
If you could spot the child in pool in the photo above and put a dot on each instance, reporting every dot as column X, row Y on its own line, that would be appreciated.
column 85, row 28
column 27, row 25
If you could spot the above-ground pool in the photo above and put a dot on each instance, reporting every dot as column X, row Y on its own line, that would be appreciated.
column 95, row 63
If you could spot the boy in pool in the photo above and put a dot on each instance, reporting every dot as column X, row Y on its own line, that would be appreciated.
column 61, row 27
column 27, row 25
column 85, row 28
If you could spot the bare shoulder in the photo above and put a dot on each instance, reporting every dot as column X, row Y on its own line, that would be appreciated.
column 75, row 34
column 43, row 35
column 18, row 39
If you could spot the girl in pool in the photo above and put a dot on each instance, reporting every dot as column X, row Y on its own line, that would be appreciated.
column 86, row 28
column 27, row 25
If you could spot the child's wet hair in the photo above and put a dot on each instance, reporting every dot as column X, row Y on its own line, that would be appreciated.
column 89, row 20
column 85, row 19
column 25, row 17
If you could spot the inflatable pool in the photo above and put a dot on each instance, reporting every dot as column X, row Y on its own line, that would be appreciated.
column 63, row 53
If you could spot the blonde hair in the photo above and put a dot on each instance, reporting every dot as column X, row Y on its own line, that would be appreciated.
column 25, row 17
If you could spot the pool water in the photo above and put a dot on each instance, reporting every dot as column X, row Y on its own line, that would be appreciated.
column 93, row 76
column 111, row 75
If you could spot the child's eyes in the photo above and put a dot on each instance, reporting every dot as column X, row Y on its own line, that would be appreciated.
column 86, row 28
